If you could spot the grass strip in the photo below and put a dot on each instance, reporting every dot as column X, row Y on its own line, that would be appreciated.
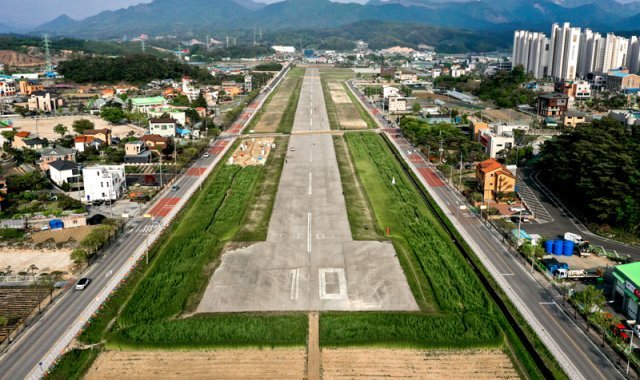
column 73, row 364
column 409, row 330
column 216, row 330
column 361, row 219
column 289, row 114
column 332, row 113
column 517, row 347
column 255, row 224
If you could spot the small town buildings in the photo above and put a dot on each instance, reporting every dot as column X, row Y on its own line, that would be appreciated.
column 397, row 104
column 626, row 289
column 554, row 105
column 28, row 87
column 136, row 153
column 18, row 139
column 248, row 83
column 493, row 142
column 103, row 135
column 106, row 182
column 64, row 171
column 623, row 82
column 573, row 118
column 7, row 86
column 155, row 142
column 388, row 91
column 626, row 117
column 163, row 127
column 597, row 80
column 81, row 142
column 494, row 179
column 231, row 88
column 52, row 154
column 34, row 143
column 143, row 105
column 405, row 75
column 44, row 101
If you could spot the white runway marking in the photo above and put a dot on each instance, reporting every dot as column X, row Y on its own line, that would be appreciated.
column 309, row 233
column 310, row 183
column 328, row 285
column 295, row 277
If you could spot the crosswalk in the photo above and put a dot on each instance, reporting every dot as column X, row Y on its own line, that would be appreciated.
column 533, row 203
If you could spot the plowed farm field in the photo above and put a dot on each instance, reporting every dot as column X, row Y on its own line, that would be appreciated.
column 219, row 364
column 416, row 364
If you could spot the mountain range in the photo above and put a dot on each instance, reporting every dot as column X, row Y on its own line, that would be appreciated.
column 196, row 16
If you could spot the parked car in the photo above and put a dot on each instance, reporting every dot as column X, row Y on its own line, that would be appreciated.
column 175, row 188
column 517, row 209
column 618, row 330
column 206, row 155
column 82, row 283
column 293, row 149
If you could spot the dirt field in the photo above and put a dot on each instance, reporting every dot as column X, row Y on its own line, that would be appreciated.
column 63, row 235
column 13, row 58
column 252, row 152
column 347, row 115
column 416, row 364
column 45, row 126
column 220, row 364
column 47, row 261
column 506, row 115
column 273, row 111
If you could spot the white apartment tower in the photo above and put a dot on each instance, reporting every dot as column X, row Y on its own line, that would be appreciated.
column 633, row 55
column 565, row 44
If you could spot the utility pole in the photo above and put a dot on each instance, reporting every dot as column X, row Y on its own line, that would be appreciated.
column 143, row 47
column 441, row 150
column 460, row 182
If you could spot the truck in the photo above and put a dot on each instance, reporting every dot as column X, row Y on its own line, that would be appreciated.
column 575, row 274
column 577, row 239
column 553, row 265
column 582, row 245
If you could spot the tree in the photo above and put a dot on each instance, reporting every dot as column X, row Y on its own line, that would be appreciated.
column 416, row 107
column 60, row 129
column 8, row 134
column 590, row 299
column 82, row 125
column 181, row 101
column 199, row 102
column 79, row 255
column 3, row 321
column 112, row 114
column 21, row 110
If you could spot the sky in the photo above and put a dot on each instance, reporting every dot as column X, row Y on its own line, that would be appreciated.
column 36, row 12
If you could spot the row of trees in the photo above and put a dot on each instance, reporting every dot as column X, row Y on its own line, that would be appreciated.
column 596, row 168
column 130, row 68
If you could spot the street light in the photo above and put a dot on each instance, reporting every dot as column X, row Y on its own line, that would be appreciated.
column 630, row 347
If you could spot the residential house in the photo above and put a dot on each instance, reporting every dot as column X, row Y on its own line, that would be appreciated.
column 164, row 127
column 493, row 142
column 18, row 139
column 28, row 87
column 597, row 80
column 405, row 75
column 626, row 117
column 494, row 179
column 52, row 154
column 552, row 104
column 103, row 134
column 248, row 83
column 573, row 118
column 136, row 153
column 65, row 171
column 44, row 101
column 7, row 86
column 81, row 142
column 106, row 182
column 388, row 91
column 397, row 104
column 155, row 142
column 34, row 143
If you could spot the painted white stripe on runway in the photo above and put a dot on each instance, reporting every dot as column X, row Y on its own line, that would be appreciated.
column 547, row 303
column 310, row 179
column 309, row 233
column 507, row 274
column 295, row 275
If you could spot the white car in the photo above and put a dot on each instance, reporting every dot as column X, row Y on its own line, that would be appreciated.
column 516, row 209
column 293, row 149
column 82, row 283
column 206, row 155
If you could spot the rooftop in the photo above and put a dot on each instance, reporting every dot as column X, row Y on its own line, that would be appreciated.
column 61, row 165
column 104, row 131
column 147, row 101
column 57, row 151
column 631, row 271
column 161, row 120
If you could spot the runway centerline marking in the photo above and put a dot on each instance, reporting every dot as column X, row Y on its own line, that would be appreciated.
column 310, row 176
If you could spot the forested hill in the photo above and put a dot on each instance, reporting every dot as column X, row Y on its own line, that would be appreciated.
column 596, row 168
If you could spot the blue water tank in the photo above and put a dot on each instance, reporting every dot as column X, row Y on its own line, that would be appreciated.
column 56, row 224
column 567, row 248
column 557, row 247
column 548, row 246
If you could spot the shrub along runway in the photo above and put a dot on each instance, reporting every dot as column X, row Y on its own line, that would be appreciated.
column 309, row 261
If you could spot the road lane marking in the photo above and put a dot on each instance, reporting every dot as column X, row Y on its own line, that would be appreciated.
column 308, row 232
column 507, row 274
column 310, row 181
column 547, row 303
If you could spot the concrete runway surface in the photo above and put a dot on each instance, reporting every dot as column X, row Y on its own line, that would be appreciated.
column 309, row 261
